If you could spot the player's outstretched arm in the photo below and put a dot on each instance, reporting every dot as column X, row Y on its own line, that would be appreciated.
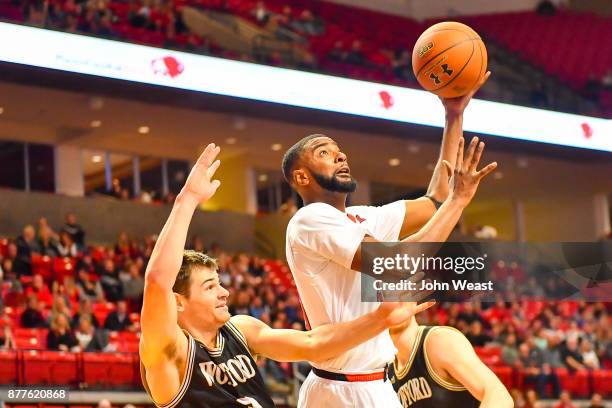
column 420, row 210
column 461, row 362
column 327, row 341
column 464, row 181
column 159, row 315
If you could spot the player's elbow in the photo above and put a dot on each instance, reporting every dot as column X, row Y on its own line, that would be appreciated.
column 497, row 396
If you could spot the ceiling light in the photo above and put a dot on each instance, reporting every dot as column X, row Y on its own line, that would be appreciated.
column 143, row 130
column 498, row 175
column 96, row 103
column 239, row 123
column 276, row 147
column 230, row 140
column 262, row 177
column 431, row 166
column 96, row 123
column 394, row 162
column 522, row 162
column 413, row 148
column 1, row 110
column 96, row 158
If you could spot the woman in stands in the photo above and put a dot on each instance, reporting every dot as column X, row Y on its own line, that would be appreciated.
column 61, row 337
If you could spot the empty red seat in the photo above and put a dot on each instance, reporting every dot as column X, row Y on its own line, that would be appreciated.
column 8, row 367
column 505, row 375
column 96, row 369
column 602, row 382
column 50, row 367
column 577, row 383
column 121, row 369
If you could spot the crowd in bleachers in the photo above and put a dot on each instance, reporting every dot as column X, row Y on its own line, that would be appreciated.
column 59, row 293
column 342, row 40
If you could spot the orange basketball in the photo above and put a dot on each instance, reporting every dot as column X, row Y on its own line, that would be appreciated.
column 449, row 59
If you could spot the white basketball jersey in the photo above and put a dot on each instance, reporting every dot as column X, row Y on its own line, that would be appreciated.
column 321, row 243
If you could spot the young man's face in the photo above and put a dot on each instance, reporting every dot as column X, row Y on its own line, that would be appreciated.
column 207, row 301
column 328, row 165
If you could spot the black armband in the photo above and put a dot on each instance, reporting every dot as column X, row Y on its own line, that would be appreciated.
column 435, row 202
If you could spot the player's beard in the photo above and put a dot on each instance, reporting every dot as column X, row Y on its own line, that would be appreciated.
column 334, row 185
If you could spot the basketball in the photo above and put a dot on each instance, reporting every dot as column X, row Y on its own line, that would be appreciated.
column 449, row 59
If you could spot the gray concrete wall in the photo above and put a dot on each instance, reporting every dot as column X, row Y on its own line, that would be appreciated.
column 103, row 218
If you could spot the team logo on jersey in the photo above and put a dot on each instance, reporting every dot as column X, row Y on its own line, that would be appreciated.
column 415, row 389
column 234, row 371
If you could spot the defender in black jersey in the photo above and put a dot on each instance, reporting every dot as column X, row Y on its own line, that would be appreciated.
column 436, row 367
column 193, row 353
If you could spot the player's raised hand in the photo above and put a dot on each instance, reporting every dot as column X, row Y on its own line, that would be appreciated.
column 396, row 313
column 199, row 183
column 457, row 105
column 464, row 178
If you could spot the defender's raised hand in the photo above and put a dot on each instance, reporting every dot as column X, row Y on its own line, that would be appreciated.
column 464, row 178
column 199, row 184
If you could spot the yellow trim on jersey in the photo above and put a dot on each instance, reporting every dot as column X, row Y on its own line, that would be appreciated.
column 191, row 347
column 219, row 344
column 441, row 381
column 241, row 337
column 415, row 348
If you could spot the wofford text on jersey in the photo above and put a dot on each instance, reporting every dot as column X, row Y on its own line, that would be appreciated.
column 234, row 371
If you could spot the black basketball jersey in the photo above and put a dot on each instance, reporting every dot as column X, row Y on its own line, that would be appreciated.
column 224, row 377
column 418, row 386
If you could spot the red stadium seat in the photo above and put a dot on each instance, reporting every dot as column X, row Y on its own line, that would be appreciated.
column 50, row 367
column 576, row 383
column 8, row 367
column 96, row 369
column 505, row 375
column 121, row 369
column 602, row 382
column 62, row 267
column 41, row 265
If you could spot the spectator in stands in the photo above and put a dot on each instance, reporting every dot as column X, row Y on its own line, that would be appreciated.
column 288, row 207
column 565, row 401
column 476, row 336
column 60, row 337
column 59, row 308
column 355, row 55
column 509, row 353
column 401, row 65
column 596, row 401
column 32, row 317
column 275, row 378
column 40, row 289
column 66, row 246
column 75, row 230
column 470, row 313
column 119, row 319
column 27, row 244
column 90, row 338
column 517, row 397
column 589, row 356
column 337, row 53
column 606, row 81
column 532, row 400
column 536, row 371
column 538, row 96
column 10, row 277
column 109, row 279
column 308, row 24
column 257, row 308
column 7, row 340
column 104, row 404
column 133, row 288
column 592, row 88
column 85, row 311
column 261, row 13
column 88, row 289
column 571, row 356
column 48, row 246
column 197, row 244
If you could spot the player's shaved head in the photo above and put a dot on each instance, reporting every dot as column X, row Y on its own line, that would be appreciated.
column 293, row 154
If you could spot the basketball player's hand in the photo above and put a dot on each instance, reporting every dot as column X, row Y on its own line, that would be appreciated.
column 456, row 106
column 199, row 184
column 396, row 313
column 464, row 178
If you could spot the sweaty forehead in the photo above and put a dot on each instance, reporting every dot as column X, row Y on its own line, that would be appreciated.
column 319, row 141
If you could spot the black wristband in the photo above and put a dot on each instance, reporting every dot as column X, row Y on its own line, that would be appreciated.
column 435, row 202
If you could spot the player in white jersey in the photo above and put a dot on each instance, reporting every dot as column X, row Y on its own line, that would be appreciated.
column 323, row 248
